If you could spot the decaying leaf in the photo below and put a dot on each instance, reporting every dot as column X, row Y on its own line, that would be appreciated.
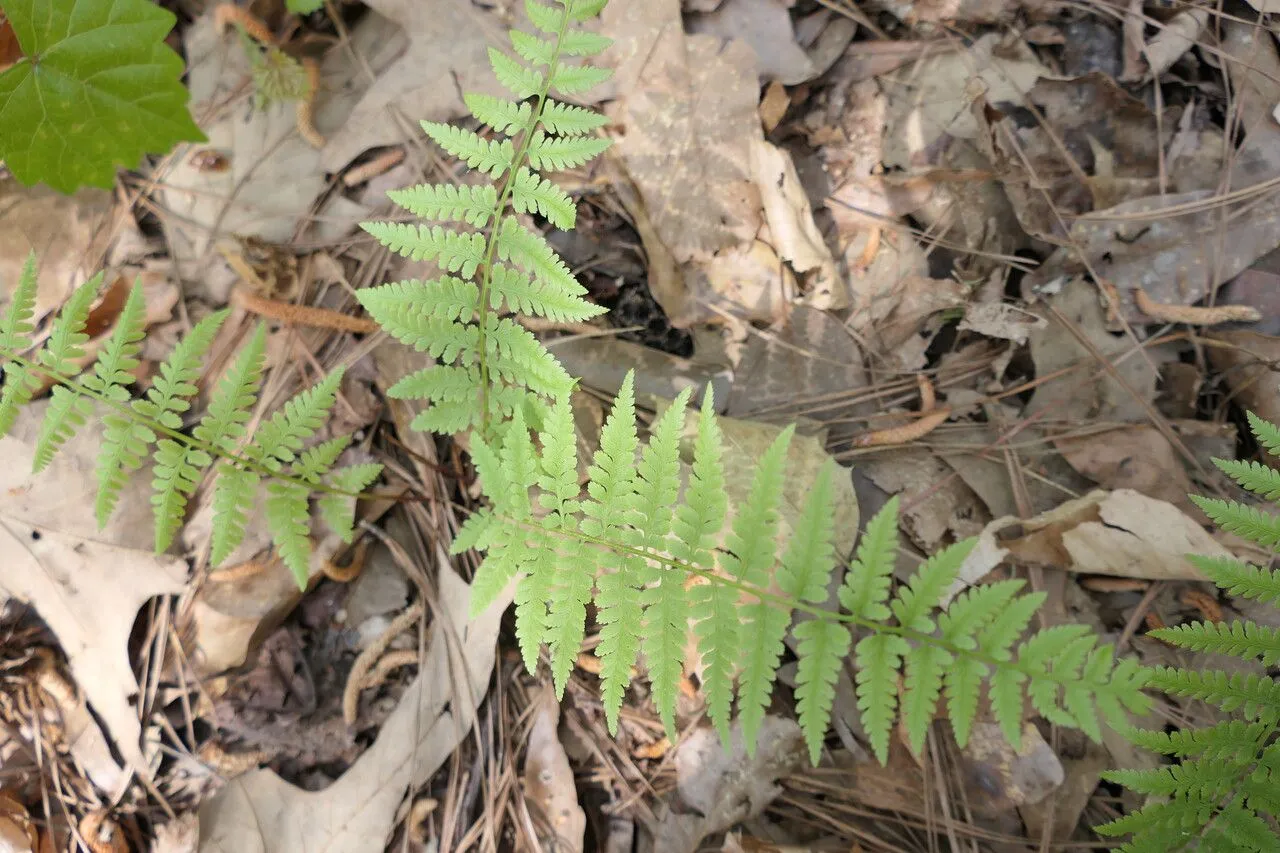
column 86, row 589
column 1138, row 458
column 1121, row 533
column 689, row 115
column 548, row 778
column 766, row 26
column 932, row 98
column 259, row 812
column 725, row 788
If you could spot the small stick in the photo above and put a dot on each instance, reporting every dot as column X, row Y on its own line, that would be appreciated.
column 351, row 571
column 301, row 315
column 257, row 29
column 1208, row 606
column 306, row 124
column 364, row 663
column 375, row 167
column 1193, row 315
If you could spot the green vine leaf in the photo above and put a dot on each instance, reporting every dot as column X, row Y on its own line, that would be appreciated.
column 96, row 88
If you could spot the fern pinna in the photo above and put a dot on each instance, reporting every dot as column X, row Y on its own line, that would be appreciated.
column 153, row 425
column 1224, row 791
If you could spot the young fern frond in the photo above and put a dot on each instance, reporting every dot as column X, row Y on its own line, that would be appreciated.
column 152, row 426
column 1221, row 796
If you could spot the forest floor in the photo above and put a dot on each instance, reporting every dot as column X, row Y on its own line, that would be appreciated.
column 1012, row 261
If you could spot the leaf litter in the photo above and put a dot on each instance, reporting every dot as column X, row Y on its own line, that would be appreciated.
column 815, row 213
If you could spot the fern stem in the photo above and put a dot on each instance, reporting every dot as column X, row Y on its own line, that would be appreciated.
column 813, row 610
column 495, row 220
column 123, row 408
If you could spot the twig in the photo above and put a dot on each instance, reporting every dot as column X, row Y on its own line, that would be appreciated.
column 306, row 123
column 1193, row 315
column 301, row 315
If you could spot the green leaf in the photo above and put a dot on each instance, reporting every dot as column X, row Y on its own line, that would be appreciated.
column 287, row 519
column 502, row 115
column 531, row 193
column 304, row 7
column 866, row 585
column 448, row 202
column 877, row 687
column 490, row 156
column 520, row 81
column 569, row 120
column 338, row 511
column 556, row 153
column 572, row 79
column 822, row 648
column 96, row 88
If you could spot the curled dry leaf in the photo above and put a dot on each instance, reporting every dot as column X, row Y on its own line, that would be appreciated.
column 1137, row 457
column 1121, row 533
column 1001, row 775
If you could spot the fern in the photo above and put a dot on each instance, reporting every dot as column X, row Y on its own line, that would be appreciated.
column 1220, row 796
column 153, row 425
column 651, row 559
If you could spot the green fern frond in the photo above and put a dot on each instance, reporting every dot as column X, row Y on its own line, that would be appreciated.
column 233, row 494
column 175, row 383
column 448, row 202
column 338, row 510
column 124, row 447
column 1246, row 521
column 1255, row 696
column 281, row 438
column 564, row 152
column 822, row 647
column 524, row 296
column 493, row 157
column 572, row 79
column 520, row 81
column 174, row 478
column 584, row 43
column 452, row 251
column 67, row 338
column 866, row 586
column 533, row 194
column 1257, row 478
column 878, row 657
column 16, row 326
column 532, row 49
column 533, row 254
column 1225, row 739
column 1267, row 433
column 1240, row 639
column 922, row 594
column 517, row 356
column 569, row 120
column 750, row 553
column 543, row 17
column 581, row 10
column 502, row 115
column 1240, row 578
column 286, row 511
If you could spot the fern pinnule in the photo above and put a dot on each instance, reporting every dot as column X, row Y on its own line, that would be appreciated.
column 448, row 202
column 749, row 556
column 1240, row 578
column 16, row 329
column 865, row 591
column 1267, row 433
column 1247, row 640
column 67, row 408
column 1248, row 521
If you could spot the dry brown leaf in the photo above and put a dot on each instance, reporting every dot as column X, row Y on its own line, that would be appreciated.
column 1138, row 458
column 1122, row 533
column 719, row 789
column 933, row 97
column 69, row 235
column 688, row 115
column 1001, row 320
column 1001, row 775
column 1174, row 39
column 792, row 230
column 88, row 592
column 766, row 26
column 259, row 812
column 548, row 778
column 1055, row 348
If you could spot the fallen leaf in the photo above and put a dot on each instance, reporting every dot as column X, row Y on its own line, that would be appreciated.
column 1138, row 458
column 766, row 26
column 1001, row 320
column 1248, row 367
column 773, row 106
column 1055, row 347
column 1000, row 776
column 792, row 230
column 970, row 11
column 259, row 812
column 70, row 235
column 688, row 112
column 748, row 282
column 548, row 778
column 1173, row 40
column 1121, row 533
column 938, row 508
column 933, row 97
column 86, row 590
column 725, row 788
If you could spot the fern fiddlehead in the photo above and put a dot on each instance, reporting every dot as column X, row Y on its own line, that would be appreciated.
column 1221, row 795
column 134, row 428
